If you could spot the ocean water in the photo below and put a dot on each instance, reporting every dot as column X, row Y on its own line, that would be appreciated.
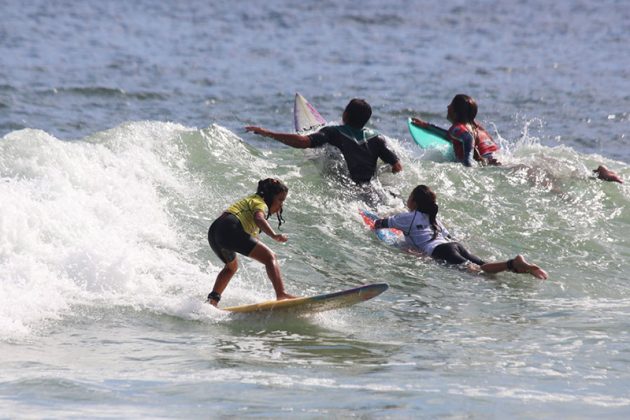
column 121, row 139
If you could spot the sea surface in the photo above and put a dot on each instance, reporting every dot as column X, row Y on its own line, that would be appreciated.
column 121, row 139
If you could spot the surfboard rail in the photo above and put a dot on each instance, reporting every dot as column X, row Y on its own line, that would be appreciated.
column 318, row 303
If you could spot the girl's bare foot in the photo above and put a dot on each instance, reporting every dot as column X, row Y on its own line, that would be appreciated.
column 284, row 296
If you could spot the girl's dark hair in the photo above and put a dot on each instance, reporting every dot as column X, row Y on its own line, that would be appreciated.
column 425, row 201
column 267, row 189
column 465, row 108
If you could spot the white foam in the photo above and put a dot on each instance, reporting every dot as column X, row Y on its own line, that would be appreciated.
column 83, row 221
column 533, row 395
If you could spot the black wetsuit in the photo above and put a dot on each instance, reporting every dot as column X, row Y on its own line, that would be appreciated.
column 360, row 148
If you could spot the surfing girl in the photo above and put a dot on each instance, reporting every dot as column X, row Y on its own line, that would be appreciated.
column 470, row 140
column 237, row 229
column 424, row 233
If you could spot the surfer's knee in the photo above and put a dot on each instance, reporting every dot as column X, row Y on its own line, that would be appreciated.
column 263, row 254
column 232, row 266
column 270, row 258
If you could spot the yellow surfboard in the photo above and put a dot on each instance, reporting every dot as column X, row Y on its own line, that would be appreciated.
column 319, row 303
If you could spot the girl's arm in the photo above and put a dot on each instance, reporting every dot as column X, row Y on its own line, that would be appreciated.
column 438, row 130
column 467, row 140
column 469, row 148
column 259, row 219
column 393, row 221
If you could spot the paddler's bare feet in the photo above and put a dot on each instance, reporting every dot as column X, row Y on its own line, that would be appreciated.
column 522, row 266
column 607, row 175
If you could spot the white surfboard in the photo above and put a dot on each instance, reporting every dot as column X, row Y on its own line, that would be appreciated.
column 306, row 119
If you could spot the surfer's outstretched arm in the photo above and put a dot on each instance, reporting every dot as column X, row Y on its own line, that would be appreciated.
column 294, row 140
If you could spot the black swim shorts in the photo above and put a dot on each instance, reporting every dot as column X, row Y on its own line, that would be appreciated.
column 454, row 253
column 226, row 236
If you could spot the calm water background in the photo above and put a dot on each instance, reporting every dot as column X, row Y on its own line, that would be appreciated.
column 122, row 139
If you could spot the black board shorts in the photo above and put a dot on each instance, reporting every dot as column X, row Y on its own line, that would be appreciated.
column 226, row 237
column 454, row 253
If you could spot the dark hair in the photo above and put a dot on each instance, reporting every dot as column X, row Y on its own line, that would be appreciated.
column 425, row 201
column 465, row 108
column 358, row 113
column 267, row 189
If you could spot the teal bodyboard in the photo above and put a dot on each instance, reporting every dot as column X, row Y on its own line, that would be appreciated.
column 429, row 138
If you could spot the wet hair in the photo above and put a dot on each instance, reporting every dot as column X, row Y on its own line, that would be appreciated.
column 425, row 200
column 358, row 113
column 267, row 189
column 465, row 108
